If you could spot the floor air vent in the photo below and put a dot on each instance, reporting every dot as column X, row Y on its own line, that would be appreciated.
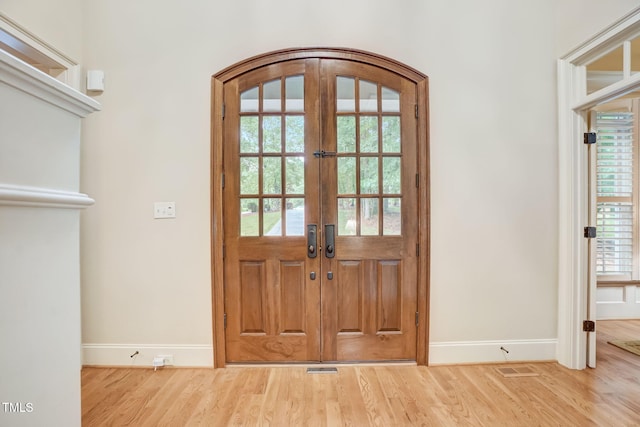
column 517, row 371
column 322, row 370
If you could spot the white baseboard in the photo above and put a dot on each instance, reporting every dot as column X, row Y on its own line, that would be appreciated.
column 121, row 355
column 440, row 353
column 448, row 353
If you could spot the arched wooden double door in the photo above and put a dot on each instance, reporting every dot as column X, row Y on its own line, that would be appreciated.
column 320, row 209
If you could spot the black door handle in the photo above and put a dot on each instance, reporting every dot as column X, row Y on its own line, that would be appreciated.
column 329, row 235
column 312, row 245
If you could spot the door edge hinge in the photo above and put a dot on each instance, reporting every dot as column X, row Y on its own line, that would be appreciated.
column 589, row 326
column 224, row 109
column 590, row 138
column 417, row 180
column 416, row 108
column 417, row 249
column 224, row 250
column 417, row 318
column 225, row 320
column 590, row 232
column 223, row 181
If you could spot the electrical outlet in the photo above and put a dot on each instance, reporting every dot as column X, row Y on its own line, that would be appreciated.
column 168, row 359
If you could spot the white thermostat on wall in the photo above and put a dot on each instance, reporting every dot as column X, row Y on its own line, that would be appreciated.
column 95, row 80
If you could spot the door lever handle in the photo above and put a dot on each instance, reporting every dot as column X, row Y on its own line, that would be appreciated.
column 329, row 235
column 312, row 240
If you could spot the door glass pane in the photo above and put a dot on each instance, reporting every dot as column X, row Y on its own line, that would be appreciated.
column 249, row 100
column 635, row 56
column 369, row 217
column 391, row 175
column 368, row 96
column 271, row 175
column 249, row 131
column 390, row 100
column 369, row 134
column 272, row 93
column 392, row 216
column 604, row 71
column 369, row 175
column 272, row 218
column 295, row 216
column 346, row 134
column 295, row 134
column 295, row 175
column 346, row 94
column 391, row 134
column 347, row 218
column 249, row 217
column 346, row 175
column 271, row 134
column 294, row 90
column 249, row 170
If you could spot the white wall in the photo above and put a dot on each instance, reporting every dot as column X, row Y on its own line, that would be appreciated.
column 579, row 20
column 146, row 283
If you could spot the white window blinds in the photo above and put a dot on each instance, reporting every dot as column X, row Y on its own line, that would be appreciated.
column 614, row 224
column 615, row 187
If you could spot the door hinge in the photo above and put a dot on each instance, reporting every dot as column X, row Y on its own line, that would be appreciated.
column 416, row 107
column 589, row 137
column 589, row 232
column 224, row 108
column 225, row 320
column 417, row 249
column 417, row 180
column 417, row 318
column 589, row 326
column 224, row 251
column 223, row 181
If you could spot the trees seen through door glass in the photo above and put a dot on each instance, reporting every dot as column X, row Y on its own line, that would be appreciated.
column 272, row 158
column 369, row 158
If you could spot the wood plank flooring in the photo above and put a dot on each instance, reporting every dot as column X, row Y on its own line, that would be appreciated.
column 475, row 395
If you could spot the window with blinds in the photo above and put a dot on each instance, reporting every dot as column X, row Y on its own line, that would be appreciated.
column 615, row 194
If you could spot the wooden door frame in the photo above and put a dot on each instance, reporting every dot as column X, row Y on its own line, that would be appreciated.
column 217, row 140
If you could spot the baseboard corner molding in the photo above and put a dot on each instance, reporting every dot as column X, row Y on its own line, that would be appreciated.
column 467, row 352
column 125, row 355
column 22, row 196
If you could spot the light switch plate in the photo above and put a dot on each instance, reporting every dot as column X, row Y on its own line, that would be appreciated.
column 164, row 210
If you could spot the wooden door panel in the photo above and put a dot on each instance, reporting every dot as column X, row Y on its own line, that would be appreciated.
column 374, row 313
column 349, row 284
column 253, row 304
column 370, row 304
column 270, row 321
column 292, row 297
column 271, row 302
column 389, row 296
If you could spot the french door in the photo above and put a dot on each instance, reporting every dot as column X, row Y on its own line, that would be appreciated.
column 320, row 213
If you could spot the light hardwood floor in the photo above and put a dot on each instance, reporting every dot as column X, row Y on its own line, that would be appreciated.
column 474, row 395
